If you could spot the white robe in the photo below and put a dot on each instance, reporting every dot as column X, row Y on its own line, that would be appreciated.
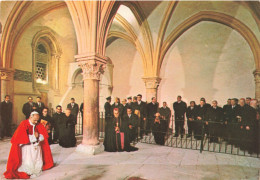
column 32, row 156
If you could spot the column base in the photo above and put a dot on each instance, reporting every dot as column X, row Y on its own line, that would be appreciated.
column 90, row 150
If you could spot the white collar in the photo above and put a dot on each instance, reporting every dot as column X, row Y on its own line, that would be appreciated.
column 32, row 125
column 31, row 122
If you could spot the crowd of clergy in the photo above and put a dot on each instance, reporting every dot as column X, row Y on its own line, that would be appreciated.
column 236, row 123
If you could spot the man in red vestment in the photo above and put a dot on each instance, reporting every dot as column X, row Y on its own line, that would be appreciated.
column 30, row 151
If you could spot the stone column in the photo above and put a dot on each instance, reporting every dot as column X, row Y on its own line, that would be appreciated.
column 56, row 63
column 6, row 83
column 151, row 84
column 257, row 84
column 7, row 87
column 92, row 67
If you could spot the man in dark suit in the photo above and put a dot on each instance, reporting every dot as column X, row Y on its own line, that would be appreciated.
column 132, row 123
column 141, row 111
column 232, row 121
column 124, row 104
column 129, row 103
column 214, row 118
column 40, row 105
column 179, row 108
column 165, row 113
column 225, row 119
column 29, row 107
column 6, row 117
column 107, row 108
column 152, row 109
column 191, row 114
column 248, row 100
column 202, row 110
column 81, row 109
column 117, row 105
column 247, row 116
column 225, row 107
column 74, row 108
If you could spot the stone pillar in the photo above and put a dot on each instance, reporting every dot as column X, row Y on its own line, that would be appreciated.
column 7, row 87
column 151, row 84
column 56, row 63
column 92, row 67
column 6, row 83
column 257, row 84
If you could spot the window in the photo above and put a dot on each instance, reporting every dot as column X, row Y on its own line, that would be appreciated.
column 41, row 65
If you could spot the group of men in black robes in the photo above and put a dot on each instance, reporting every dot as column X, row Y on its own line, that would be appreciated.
column 120, row 127
column 64, row 126
column 140, row 117
column 236, row 123
column 60, row 126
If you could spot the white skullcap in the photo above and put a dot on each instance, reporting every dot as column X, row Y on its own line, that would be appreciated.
column 33, row 113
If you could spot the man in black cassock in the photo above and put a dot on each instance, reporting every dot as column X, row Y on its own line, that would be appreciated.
column 46, row 120
column 132, row 124
column 232, row 122
column 74, row 109
column 202, row 110
column 191, row 114
column 6, row 117
column 29, row 107
column 256, row 133
column 247, row 116
column 179, row 108
column 57, row 120
column 159, row 129
column 141, row 111
column 152, row 109
column 214, row 119
column 225, row 119
column 107, row 108
column 67, row 130
column 165, row 113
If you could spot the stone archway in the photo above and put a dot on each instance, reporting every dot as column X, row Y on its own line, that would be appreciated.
column 224, row 19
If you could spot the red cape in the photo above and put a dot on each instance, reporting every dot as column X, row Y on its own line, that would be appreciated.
column 15, row 158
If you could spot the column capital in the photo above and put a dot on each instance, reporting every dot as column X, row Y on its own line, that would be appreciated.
column 257, row 75
column 151, row 82
column 6, row 74
column 92, row 65
column 56, row 56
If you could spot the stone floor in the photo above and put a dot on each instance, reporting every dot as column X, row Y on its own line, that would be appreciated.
column 150, row 162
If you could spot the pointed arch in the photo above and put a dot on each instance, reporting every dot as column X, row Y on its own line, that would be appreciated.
column 218, row 17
